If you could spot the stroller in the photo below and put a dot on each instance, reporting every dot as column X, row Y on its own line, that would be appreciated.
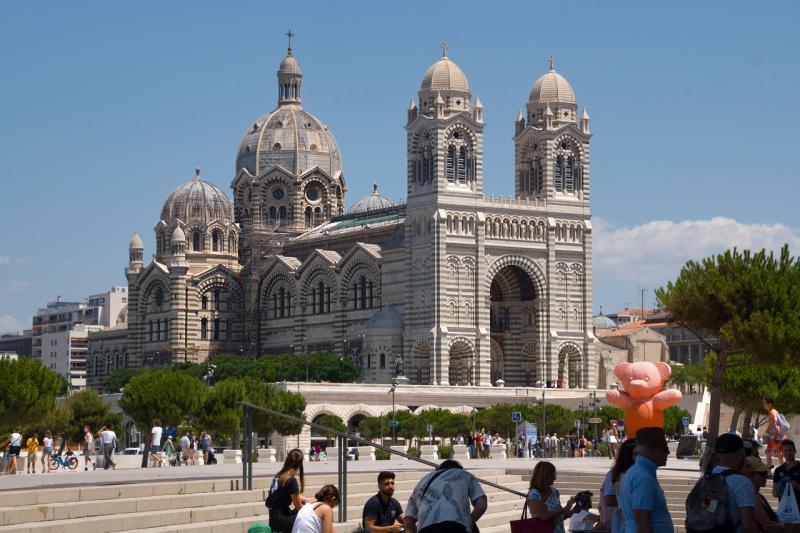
column 212, row 460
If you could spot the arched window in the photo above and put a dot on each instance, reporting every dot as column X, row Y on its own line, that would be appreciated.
column 196, row 241
column 569, row 183
column 355, row 296
column 282, row 213
column 166, row 329
column 204, row 302
column 217, row 305
column 216, row 245
column 370, row 295
column 461, row 167
column 363, row 301
column 282, row 299
column 274, row 305
column 231, row 244
column 383, row 360
column 216, row 329
column 450, row 163
column 308, row 217
column 558, row 174
column 317, row 216
column 204, row 328
column 273, row 214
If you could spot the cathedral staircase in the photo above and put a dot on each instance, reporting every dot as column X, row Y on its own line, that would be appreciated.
column 216, row 506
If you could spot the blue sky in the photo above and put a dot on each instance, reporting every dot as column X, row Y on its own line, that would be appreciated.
column 106, row 107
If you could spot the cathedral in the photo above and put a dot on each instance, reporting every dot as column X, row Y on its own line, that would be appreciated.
column 453, row 287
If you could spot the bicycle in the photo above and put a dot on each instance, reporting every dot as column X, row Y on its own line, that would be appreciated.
column 56, row 461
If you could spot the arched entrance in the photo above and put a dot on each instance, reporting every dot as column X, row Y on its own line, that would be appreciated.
column 461, row 364
column 512, row 297
column 352, row 425
column 421, row 364
column 570, row 367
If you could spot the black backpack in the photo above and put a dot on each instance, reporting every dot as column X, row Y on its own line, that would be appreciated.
column 708, row 505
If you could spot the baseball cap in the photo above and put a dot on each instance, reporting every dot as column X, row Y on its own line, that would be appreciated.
column 756, row 465
column 728, row 443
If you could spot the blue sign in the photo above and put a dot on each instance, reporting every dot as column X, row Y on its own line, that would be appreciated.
column 516, row 416
column 392, row 423
column 685, row 421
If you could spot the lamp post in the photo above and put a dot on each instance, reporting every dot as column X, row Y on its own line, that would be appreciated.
column 393, row 421
column 593, row 402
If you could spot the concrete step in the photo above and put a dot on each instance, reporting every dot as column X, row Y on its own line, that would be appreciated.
column 129, row 521
column 86, row 509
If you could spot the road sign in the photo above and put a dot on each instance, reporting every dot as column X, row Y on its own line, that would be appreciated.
column 430, row 428
column 516, row 416
column 578, row 424
column 594, row 420
column 392, row 423
column 685, row 421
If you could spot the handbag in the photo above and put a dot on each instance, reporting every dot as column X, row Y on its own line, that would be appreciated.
column 530, row 525
column 788, row 512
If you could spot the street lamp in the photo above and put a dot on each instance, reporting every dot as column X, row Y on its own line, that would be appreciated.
column 393, row 421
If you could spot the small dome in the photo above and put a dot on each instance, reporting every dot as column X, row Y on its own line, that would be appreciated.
column 552, row 87
column 372, row 202
column 603, row 322
column 444, row 75
column 289, row 65
column 178, row 235
column 386, row 320
column 197, row 200
column 136, row 242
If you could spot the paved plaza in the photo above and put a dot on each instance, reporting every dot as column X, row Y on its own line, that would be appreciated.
column 590, row 466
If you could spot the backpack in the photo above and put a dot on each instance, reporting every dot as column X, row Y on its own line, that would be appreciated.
column 784, row 424
column 708, row 505
column 273, row 490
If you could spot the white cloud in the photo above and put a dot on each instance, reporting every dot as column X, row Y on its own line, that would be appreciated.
column 653, row 253
column 9, row 324
column 5, row 260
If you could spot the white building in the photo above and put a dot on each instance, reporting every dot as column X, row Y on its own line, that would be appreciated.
column 66, row 353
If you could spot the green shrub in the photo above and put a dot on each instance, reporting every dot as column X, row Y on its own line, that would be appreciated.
column 382, row 455
column 414, row 452
column 445, row 452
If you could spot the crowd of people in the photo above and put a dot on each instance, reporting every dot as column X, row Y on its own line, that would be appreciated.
column 161, row 451
column 726, row 497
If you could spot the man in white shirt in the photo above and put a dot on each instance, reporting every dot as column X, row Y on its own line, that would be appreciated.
column 155, row 442
column 186, row 452
column 109, row 440
column 440, row 503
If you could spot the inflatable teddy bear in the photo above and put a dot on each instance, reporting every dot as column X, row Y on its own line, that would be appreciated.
column 643, row 399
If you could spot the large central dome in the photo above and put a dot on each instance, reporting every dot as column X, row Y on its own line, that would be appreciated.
column 289, row 136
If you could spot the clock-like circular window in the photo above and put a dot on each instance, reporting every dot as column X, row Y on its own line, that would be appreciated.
column 312, row 193
column 278, row 193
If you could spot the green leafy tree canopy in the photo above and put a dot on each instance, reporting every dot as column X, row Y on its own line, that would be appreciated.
column 27, row 391
column 170, row 396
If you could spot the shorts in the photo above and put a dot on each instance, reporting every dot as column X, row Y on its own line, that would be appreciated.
column 155, row 449
column 46, row 452
column 88, row 451
column 14, row 450
column 774, row 444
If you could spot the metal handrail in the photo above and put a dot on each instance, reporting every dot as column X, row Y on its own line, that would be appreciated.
column 343, row 437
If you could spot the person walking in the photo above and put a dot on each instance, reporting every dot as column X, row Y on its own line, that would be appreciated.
column 205, row 446
column 440, row 502
column 640, row 496
column 544, row 500
column 13, row 447
column 318, row 517
column 88, row 448
column 108, row 439
column 32, row 445
column 613, row 440
column 186, row 452
column 168, row 450
column 285, row 490
column 47, row 450
column 774, row 431
column 155, row 442
column 382, row 513
column 766, row 518
column 741, row 494
column 610, row 513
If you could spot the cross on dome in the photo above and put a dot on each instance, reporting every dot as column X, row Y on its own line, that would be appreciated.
column 444, row 49
column 289, row 34
column 552, row 61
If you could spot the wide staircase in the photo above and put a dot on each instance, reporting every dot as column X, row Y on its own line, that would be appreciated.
column 217, row 506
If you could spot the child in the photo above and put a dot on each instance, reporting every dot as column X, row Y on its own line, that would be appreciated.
column 582, row 519
column 32, row 445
